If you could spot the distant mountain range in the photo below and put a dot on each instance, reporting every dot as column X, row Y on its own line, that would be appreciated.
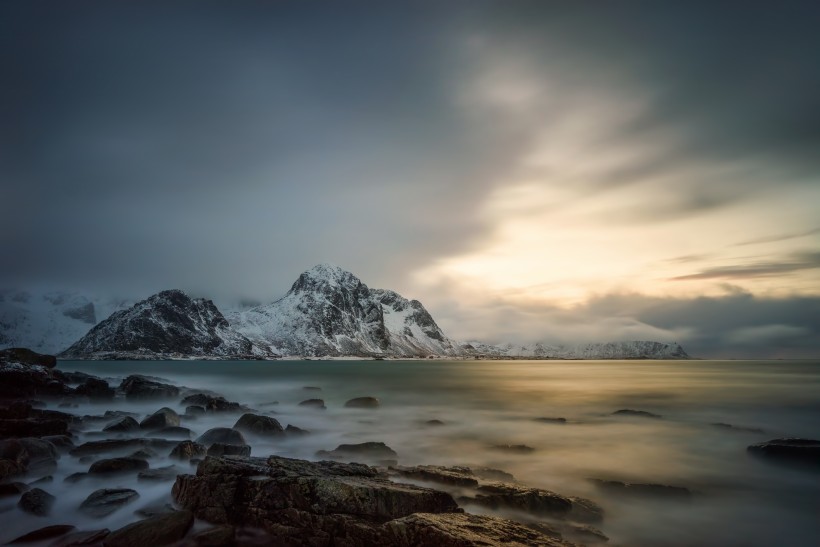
column 328, row 312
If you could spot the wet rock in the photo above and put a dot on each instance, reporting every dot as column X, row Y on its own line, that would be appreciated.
column 32, row 428
column 642, row 489
column 586, row 534
column 155, row 509
column 636, row 413
column 221, row 449
column 42, row 480
column 122, row 446
column 218, row 536
column 174, row 432
column 194, row 410
column 96, row 390
column 42, row 534
column 20, row 380
column 154, row 531
column 535, row 501
column 262, row 426
column 122, row 425
column 63, row 443
column 312, row 388
column 76, row 477
column 731, row 427
column 12, row 489
column 212, row 403
column 88, row 537
column 462, row 530
column 803, row 452
column 369, row 452
column 25, row 356
column 103, row 502
column 160, row 474
column 187, row 450
column 491, row 474
column 144, row 454
column 164, row 417
column 434, row 422
column 514, row 448
column 363, row 402
column 546, row 420
column 223, row 435
column 454, row 476
column 37, row 502
column 138, row 388
column 117, row 465
column 9, row 469
column 314, row 403
column 26, row 454
column 293, row 430
column 301, row 502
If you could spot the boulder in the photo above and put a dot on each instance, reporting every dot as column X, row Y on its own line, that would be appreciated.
column 159, row 474
column 138, row 387
column 434, row 422
column 105, row 501
column 636, row 413
column 212, row 403
column 293, row 430
column 224, row 435
column 117, row 465
column 218, row 536
column 187, row 450
column 221, row 449
column 122, row 425
column 804, row 452
column 154, row 531
column 42, row 534
column 369, row 452
column 363, row 402
column 301, row 502
column 194, row 410
column 37, row 502
column 164, row 417
column 96, row 390
column 262, row 426
column 314, row 403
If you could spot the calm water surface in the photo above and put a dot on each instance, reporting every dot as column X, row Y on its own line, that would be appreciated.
column 739, row 500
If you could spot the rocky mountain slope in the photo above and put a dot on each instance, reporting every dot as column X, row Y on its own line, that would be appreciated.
column 330, row 312
column 608, row 350
column 168, row 324
column 50, row 321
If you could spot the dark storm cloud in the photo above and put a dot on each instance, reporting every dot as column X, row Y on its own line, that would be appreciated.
column 793, row 263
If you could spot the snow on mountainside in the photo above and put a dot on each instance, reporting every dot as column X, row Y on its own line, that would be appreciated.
column 49, row 322
column 168, row 324
column 608, row 350
column 330, row 312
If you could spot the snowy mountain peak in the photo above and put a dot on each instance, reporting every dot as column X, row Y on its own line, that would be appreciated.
column 324, row 276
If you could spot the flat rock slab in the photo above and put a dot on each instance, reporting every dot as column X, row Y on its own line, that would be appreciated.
column 453, row 476
column 154, row 531
column 42, row 534
column 648, row 490
column 535, row 501
column 103, row 502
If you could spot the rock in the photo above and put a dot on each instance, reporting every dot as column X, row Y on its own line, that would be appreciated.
column 88, row 537
column 18, row 380
column 37, row 502
column 76, row 477
column 32, row 428
column 301, row 502
column 491, row 474
column 643, row 490
column 194, row 410
column 42, row 480
column 223, row 435
column 26, row 454
column 63, row 443
column 314, row 403
column 586, row 534
column 12, row 489
column 312, row 388
column 155, row 509
column 187, row 450
column 122, row 425
column 434, row 422
column 637, row 413
column 514, row 448
column 221, row 449
column 551, row 420
column 462, row 530
column 138, row 387
column 535, row 501
column 164, row 417
column 454, row 476
column 159, row 474
column 154, row 531
column 262, row 426
column 117, row 465
column 9, row 468
column 27, row 357
column 96, row 390
column 174, row 432
column 218, row 536
column 370, row 452
column 363, row 402
column 42, row 534
column 805, row 452
column 122, row 446
column 103, row 502
column 212, row 403
column 737, row 427
column 293, row 430
column 144, row 454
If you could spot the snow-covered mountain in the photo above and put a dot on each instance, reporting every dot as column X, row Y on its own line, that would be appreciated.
column 168, row 324
column 608, row 350
column 50, row 321
column 330, row 312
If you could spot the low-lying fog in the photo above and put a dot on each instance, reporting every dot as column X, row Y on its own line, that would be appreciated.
column 737, row 499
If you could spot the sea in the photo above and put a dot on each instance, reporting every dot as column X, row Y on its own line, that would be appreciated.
column 737, row 499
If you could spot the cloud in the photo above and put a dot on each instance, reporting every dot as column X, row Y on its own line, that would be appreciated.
column 780, row 237
column 796, row 263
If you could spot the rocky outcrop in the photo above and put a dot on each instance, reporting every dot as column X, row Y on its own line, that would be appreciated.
column 24, row 373
column 803, row 452
column 212, row 403
column 648, row 490
column 137, row 388
column 535, row 501
column 369, row 452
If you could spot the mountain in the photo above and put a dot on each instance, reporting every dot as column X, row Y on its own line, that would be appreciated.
column 608, row 350
column 168, row 324
column 330, row 312
column 50, row 321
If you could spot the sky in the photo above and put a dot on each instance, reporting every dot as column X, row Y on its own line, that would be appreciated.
column 563, row 172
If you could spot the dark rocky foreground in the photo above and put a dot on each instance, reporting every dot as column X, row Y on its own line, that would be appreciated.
column 232, row 498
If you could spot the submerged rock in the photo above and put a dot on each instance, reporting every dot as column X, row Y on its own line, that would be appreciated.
column 105, row 501
column 86, row 537
column 174, row 432
column 545, row 420
column 37, row 502
column 212, row 403
column 222, row 449
column 121, row 445
column 154, row 531
column 224, row 435
column 117, row 465
column 314, row 403
column 293, row 430
column 535, row 501
column 164, row 417
column 263, row 426
column 363, row 402
column 369, row 452
column 159, row 474
column 805, row 452
column 138, row 387
column 514, row 448
column 637, row 413
column 96, row 389
column 643, row 489
column 731, row 427
column 454, row 476
column 123, row 424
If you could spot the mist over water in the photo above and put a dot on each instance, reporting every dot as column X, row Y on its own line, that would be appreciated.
column 737, row 500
